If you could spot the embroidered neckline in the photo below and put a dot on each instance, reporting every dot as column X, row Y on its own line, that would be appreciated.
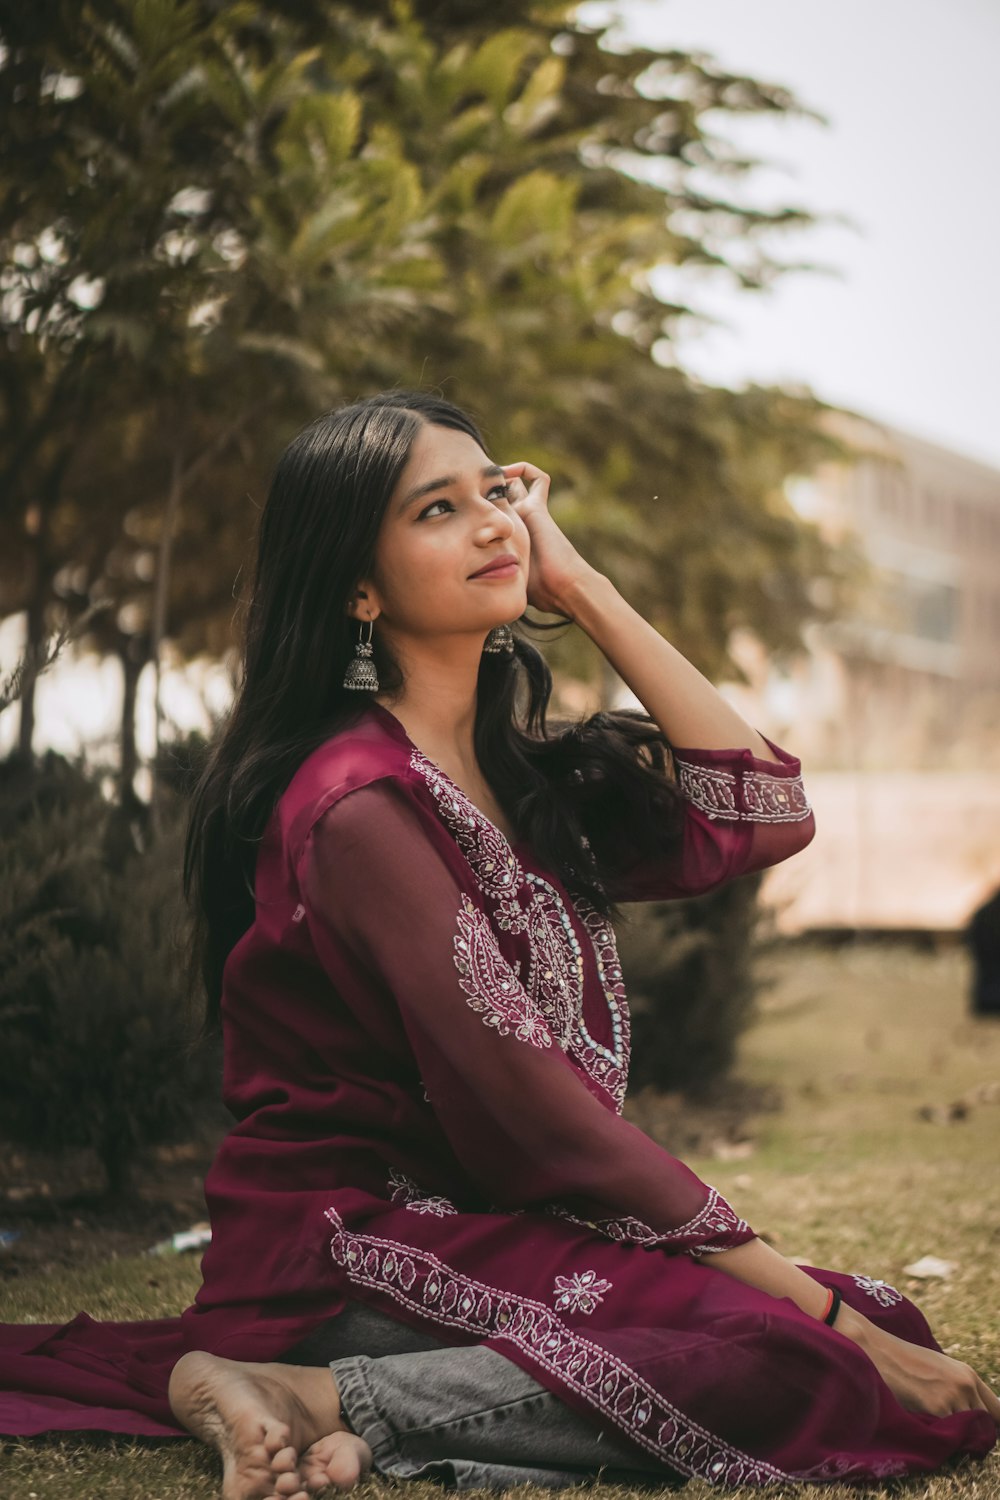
column 552, row 979
column 552, row 985
column 511, row 844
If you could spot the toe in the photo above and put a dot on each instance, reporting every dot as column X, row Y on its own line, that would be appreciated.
column 277, row 1438
column 285, row 1460
column 288, row 1486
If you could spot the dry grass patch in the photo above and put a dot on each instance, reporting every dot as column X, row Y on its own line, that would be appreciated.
column 847, row 1176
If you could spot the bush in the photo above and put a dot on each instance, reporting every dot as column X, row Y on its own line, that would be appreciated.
column 96, row 1044
column 688, row 971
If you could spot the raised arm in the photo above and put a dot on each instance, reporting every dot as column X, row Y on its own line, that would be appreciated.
column 393, row 914
column 741, row 814
column 746, row 805
column 749, row 826
column 688, row 709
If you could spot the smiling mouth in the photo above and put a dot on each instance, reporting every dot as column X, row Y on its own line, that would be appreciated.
column 505, row 565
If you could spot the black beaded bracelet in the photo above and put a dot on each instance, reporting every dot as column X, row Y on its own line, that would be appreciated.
column 834, row 1306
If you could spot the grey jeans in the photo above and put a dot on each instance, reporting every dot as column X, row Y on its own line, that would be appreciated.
column 465, row 1417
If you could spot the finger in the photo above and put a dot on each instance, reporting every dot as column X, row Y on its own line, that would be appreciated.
column 969, row 1398
column 531, row 473
column 991, row 1402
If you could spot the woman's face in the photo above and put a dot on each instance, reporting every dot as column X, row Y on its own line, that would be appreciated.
column 448, row 516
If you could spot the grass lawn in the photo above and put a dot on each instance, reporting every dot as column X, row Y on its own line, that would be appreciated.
column 848, row 1176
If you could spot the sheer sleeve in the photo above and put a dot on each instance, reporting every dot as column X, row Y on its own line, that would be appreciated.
column 741, row 813
column 388, row 908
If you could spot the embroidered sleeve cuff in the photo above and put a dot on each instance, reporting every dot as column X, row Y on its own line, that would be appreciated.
column 716, row 1226
column 737, row 786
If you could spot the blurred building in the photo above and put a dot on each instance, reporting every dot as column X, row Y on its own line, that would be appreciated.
column 894, row 706
column 909, row 675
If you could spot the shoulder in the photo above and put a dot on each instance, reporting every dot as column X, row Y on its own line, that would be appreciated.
column 363, row 754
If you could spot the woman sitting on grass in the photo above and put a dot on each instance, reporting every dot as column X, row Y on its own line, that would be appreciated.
column 438, row 1247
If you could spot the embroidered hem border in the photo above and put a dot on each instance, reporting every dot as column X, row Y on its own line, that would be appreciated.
column 417, row 1279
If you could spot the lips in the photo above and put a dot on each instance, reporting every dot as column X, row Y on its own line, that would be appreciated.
column 504, row 561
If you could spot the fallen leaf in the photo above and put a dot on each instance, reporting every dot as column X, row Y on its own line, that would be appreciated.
column 930, row 1266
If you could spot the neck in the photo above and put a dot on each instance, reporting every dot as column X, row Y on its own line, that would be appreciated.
column 437, row 703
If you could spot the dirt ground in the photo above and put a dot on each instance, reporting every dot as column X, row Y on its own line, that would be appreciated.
column 57, row 1208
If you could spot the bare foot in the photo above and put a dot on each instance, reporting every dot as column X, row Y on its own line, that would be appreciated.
column 262, row 1419
column 332, row 1461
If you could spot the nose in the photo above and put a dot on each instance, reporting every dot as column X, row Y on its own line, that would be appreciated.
column 495, row 522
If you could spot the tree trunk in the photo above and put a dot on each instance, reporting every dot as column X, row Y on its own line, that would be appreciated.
column 116, row 1159
column 33, row 644
column 134, row 654
column 160, row 610
column 36, row 524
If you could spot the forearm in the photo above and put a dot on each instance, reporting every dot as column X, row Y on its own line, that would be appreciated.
column 757, row 1264
column 689, row 710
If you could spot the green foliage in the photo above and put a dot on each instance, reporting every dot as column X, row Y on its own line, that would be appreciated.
column 217, row 219
column 688, row 968
column 95, row 1040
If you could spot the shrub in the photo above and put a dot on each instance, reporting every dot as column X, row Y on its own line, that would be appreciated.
column 688, row 970
column 95, row 1039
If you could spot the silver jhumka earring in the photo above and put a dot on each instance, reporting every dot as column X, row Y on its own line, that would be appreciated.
column 361, row 671
column 500, row 639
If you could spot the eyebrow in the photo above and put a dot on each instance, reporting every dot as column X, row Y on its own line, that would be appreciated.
column 490, row 471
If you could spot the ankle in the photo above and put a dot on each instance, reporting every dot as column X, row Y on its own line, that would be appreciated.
column 320, row 1395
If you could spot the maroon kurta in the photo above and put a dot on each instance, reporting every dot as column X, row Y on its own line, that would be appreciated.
column 426, row 1053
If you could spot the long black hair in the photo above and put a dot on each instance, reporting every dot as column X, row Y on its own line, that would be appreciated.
column 585, row 794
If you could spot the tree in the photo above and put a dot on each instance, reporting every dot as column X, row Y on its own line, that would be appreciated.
column 226, row 218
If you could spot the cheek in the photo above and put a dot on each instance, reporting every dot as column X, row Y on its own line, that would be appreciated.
column 419, row 572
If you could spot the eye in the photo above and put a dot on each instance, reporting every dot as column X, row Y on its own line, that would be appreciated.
column 503, row 489
column 428, row 508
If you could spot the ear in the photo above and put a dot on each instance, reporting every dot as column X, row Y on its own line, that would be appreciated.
column 363, row 603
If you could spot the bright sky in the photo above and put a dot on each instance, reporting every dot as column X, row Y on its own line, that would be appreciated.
column 910, row 331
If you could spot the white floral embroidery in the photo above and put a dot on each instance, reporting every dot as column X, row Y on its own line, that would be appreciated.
column 766, row 798
column 419, row 1281
column 551, row 995
column 582, row 1292
column 880, row 1290
column 492, row 987
column 407, row 1192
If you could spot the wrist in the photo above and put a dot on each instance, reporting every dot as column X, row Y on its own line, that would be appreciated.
column 582, row 594
column 853, row 1325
